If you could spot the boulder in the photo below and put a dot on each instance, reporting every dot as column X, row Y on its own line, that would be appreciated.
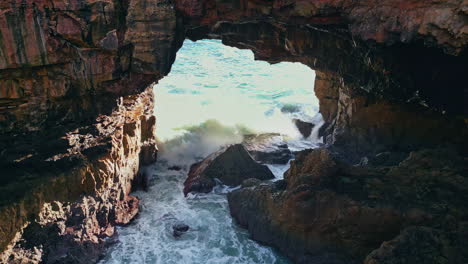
column 179, row 228
column 231, row 165
column 304, row 127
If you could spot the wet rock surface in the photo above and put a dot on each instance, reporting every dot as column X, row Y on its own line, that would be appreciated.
column 250, row 182
column 179, row 229
column 231, row 165
column 333, row 212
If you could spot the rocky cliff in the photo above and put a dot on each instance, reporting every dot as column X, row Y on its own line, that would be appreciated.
column 76, row 117
column 76, row 120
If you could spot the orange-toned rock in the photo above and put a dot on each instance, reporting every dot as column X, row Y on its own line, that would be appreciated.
column 76, row 121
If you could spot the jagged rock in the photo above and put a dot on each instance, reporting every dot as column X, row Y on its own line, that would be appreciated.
column 267, row 148
column 304, row 127
column 368, row 21
column 231, row 165
column 331, row 211
column 82, row 194
column 76, row 121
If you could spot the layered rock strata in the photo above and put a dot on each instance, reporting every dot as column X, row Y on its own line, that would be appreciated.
column 76, row 120
column 62, row 209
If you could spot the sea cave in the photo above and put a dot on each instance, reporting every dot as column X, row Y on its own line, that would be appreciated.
column 200, row 131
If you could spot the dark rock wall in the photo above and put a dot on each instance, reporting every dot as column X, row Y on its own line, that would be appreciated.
column 327, row 211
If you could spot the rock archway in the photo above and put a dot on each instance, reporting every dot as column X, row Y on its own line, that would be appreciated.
column 76, row 113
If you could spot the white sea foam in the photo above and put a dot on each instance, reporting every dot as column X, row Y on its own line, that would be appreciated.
column 213, row 237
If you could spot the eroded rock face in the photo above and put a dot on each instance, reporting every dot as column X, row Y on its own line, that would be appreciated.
column 56, row 58
column 438, row 23
column 76, row 116
column 61, row 211
column 332, row 212
column 76, row 120
column 231, row 165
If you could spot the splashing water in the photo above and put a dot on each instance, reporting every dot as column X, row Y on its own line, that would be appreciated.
column 213, row 81
column 213, row 236
column 213, row 96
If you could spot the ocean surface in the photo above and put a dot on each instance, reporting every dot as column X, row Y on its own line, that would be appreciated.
column 213, row 96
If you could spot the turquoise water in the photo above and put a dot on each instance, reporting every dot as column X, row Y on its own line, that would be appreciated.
column 213, row 96
column 213, row 81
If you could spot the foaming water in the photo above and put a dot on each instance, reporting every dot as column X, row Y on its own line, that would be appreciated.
column 213, row 96
column 213, row 81
column 213, row 237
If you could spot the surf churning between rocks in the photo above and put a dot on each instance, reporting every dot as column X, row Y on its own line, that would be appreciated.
column 214, row 95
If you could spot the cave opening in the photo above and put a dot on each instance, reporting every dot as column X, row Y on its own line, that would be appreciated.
column 214, row 88
column 216, row 96
column 78, row 130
